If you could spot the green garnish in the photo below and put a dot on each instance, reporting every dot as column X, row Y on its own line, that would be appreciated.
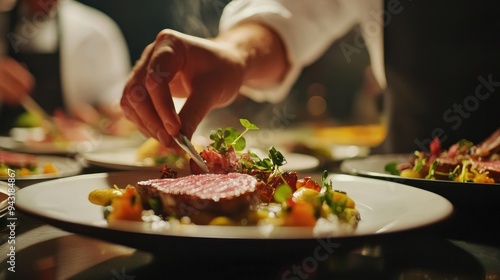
column 392, row 169
column 419, row 163
column 282, row 193
column 326, row 185
column 326, row 195
column 230, row 137
column 464, row 145
column 432, row 170
column 272, row 163
column 155, row 204
column 276, row 157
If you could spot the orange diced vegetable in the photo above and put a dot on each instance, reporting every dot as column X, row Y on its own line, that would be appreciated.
column 49, row 168
column 127, row 206
column 24, row 172
column 483, row 178
column 340, row 197
column 302, row 214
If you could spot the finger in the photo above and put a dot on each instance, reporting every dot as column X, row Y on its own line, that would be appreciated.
column 197, row 106
column 136, row 103
column 164, row 65
column 141, row 111
column 16, row 80
column 135, row 81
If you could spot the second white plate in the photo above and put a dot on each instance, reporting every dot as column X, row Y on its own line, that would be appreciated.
column 125, row 159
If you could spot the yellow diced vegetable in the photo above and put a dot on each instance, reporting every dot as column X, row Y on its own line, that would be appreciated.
column 49, row 168
column 409, row 173
column 104, row 197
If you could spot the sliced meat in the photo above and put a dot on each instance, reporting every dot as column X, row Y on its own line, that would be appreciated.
column 489, row 146
column 217, row 163
column 16, row 160
column 445, row 165
column 215, row 194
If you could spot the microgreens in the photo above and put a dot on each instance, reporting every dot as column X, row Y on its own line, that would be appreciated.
column 432, row 170
column 230, row 137
column 326, row 185
column 327, row 192
column 419, row 163
column 392, row 168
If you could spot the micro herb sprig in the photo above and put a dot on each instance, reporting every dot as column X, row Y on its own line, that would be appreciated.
column 392, row 168
column 326, row 185
column 230, row 137
column 327, row 193
column 272, row 163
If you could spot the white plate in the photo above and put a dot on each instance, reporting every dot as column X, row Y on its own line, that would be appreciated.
column 119, row 159
column 98, row 142
column 5, row 191
column 66, row 167
column 125, row 159
column 385, row 207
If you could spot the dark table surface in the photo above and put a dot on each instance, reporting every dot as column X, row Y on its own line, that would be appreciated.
column 465, row 246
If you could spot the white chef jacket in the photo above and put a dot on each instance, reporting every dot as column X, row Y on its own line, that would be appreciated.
column 95, row 60
column 307, row 29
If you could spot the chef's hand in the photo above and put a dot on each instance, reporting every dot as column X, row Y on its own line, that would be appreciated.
column 209, row 73
column 15, row 81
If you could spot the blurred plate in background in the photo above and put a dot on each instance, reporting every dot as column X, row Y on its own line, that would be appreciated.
column 100, row 142
column 126, row 159
column 460, row 193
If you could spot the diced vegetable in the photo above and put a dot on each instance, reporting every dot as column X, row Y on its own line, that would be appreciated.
column 104, row 197
column 302, row 214
column 127, row 206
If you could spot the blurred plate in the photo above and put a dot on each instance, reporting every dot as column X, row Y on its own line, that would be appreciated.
column 125, row 159
column 119, row 159
column 4, row 195
column 99, row 142
column 385, row 207
column 65, row 167
column 460, row 193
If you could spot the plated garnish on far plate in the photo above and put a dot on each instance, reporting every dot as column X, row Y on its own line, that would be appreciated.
column 464, row 161
column 241, row 189
column 24, row 165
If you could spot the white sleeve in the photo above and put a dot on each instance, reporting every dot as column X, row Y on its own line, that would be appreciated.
column 95, row 59
column 307, row 30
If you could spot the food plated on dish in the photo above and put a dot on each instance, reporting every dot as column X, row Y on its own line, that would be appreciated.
column 24, row 165
column 462, row 162
column 241, row 188
column 34, row 167
column 385, row 207
column 246, row 206
column 464, row 194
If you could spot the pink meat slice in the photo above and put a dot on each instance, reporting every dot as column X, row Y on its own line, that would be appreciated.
column 490, row 145
column 17, row 160
column 223, row 194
